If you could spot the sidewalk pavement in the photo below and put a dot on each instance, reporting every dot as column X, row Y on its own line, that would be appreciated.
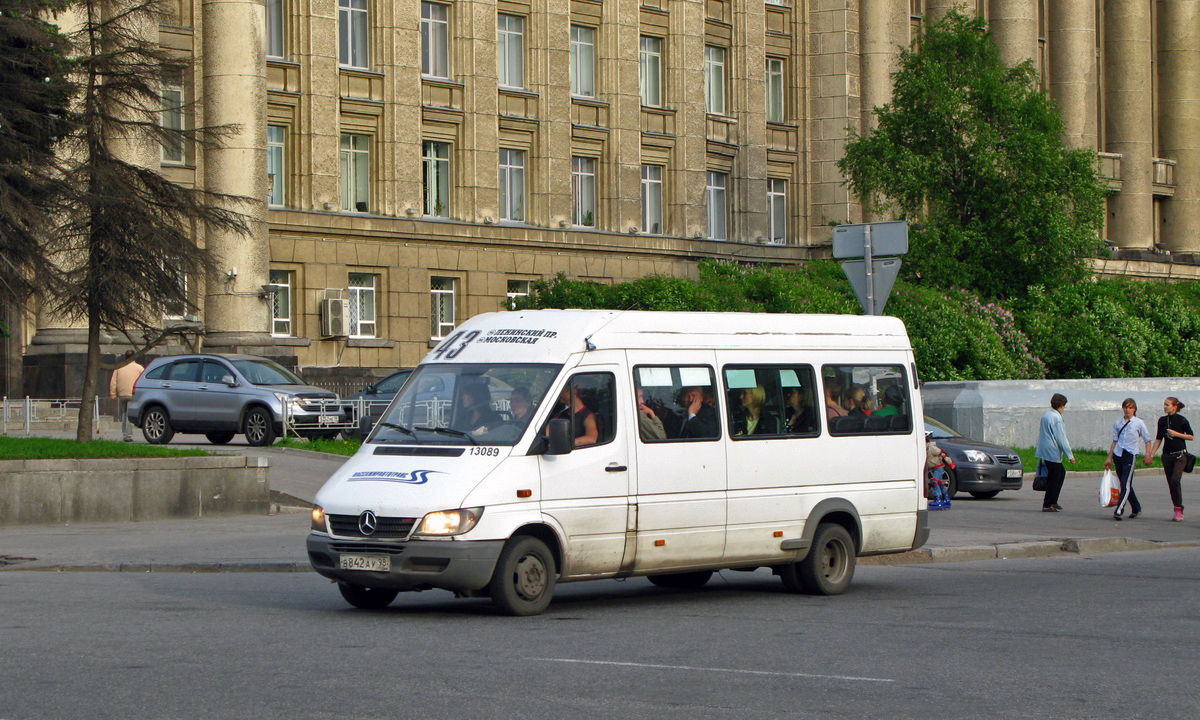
column 1010, row 525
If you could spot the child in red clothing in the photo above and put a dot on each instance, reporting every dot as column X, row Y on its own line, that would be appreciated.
column 935, row 466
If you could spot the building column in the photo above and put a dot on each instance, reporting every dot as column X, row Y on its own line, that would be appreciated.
column 936, row 9
column 747, row 70
column 1179, row 114
column 235, row 95
column 1014, row 25
column 884, row 27
column 1073, row 72
column 1130, row 120
column 835, row 103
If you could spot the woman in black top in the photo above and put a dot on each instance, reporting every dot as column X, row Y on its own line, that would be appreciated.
column 1173, row 433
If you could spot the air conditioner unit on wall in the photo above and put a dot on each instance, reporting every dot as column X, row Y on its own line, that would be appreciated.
column 334, row 320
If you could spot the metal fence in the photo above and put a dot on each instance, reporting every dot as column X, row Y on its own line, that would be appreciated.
column 24, row 414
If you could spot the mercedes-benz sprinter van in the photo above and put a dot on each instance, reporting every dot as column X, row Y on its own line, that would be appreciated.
column 583, row 444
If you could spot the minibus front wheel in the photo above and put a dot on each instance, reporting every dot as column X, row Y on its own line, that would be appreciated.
column 829, row 566
column 523, row 582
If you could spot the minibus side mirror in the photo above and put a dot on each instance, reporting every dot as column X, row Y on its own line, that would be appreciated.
column 561, row 439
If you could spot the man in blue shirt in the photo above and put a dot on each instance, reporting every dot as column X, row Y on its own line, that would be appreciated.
column 1052, row 447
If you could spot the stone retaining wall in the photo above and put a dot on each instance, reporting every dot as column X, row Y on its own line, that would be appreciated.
column 122, row 490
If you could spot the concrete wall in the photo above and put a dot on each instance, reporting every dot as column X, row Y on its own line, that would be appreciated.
column 1008, row 412
column 122, row 490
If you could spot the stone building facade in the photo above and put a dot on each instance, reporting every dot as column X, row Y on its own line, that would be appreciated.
column 421, row 162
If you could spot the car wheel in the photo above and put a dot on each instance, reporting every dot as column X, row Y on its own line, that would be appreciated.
column 951, row 483
column 829, row 566
column 682, row 581
column 156, row 426
column 259, row 427
column 523, row 582
column 984, row 494
column 219, row 438
column 367, row 598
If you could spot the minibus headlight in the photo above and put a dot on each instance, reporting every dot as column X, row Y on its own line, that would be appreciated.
column 318, row 518
column 449, row 522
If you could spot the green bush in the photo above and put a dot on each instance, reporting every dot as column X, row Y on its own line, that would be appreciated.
column 1107, row 328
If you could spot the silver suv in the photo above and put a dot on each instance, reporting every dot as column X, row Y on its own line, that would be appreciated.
column 222, row 395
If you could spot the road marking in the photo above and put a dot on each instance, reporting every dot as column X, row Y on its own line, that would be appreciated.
column 733, row 671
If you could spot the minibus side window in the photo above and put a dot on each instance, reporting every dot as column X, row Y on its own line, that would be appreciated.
column 771, row 401
column 676, row 403
column 867, row 399
column 588, row 402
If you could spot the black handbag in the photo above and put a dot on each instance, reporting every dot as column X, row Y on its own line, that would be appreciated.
column 1189, row 461
column 1039, row 478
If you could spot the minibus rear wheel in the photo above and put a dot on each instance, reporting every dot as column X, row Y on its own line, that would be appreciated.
column 523, row 582
column 367, row 598
column 829, row 566
column 682, row 581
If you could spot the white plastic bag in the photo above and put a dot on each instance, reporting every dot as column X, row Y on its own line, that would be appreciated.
column 1110, row 489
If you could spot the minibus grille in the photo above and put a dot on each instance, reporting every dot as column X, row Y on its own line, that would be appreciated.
column 365, row 547
column 386, row 527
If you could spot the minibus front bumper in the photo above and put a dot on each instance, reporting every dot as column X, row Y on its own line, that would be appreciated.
column 459, row 566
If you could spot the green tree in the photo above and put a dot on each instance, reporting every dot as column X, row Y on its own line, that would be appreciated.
column 125, row 238
column 34, row 94
column 972, row 149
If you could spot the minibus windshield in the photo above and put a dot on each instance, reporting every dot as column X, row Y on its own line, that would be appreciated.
column 459, row 404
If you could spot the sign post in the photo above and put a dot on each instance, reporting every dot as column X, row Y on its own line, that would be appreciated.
column 871, row 278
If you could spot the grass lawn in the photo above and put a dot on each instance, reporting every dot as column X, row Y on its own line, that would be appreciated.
column 1085, row 461
column 36, row 448
column 334, row 447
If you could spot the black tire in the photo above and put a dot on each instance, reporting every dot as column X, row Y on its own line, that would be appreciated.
column 219, row 438
column 951, row 483
column 156, row 425
column 367, row 598
column 829, row 566
column 259, row 427
column 523, row 582
column 682, row 581
column 984, row 494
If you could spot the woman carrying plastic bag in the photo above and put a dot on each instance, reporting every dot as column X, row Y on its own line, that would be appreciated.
column 1124, row 449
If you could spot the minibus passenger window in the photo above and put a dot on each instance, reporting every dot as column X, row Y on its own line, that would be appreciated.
column 587, row 401
column 771, row 401
column 676, row 403
column 866, row 399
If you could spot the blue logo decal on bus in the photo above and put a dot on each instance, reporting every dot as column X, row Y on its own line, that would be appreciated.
column 416, row 477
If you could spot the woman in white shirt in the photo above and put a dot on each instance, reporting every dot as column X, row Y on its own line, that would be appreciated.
column 1124, row 449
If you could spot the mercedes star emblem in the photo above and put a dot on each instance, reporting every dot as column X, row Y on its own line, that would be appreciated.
column 367, row 523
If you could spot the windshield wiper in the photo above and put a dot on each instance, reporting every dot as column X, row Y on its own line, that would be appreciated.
column 447, row 431
column 401, row 428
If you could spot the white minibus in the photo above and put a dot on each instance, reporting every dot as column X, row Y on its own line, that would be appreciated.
column 531, row 448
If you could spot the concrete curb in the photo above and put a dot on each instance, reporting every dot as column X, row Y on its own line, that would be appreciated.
column 1030, row 549
column 920, row 556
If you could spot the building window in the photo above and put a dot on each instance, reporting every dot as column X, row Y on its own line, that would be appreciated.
column 276, row 28
column 651, row 71
column 775, row 90
column 583, row 61
column 442, row 292
column 435, row 40
column 356, row 172
column 715, row 194
column 277, row 164
column 777, row 210
column 510, row 50
column 435, row 159
column 777, row 2
column 583, row 183
column 172, row 119
column 353, row 28
column 516, row 289
column 176, row 308
column 652, row 213
column 281, row 303
column 714, row 79
column 512, row 185
column 362, row 305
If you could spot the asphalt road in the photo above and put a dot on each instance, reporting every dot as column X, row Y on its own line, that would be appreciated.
column 1106, row 636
